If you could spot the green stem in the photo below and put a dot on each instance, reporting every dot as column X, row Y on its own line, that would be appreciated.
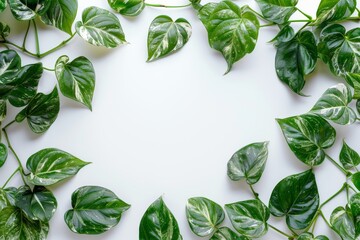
column 324, row 218
column 351, row 187
column 295, row 21
column 166, row 6
column 268, row 25
column 63, row 43
column 12, row 175
column 9, row 124
column 344, row 186
column 314, row 222
column 259, row 15
column 49, row 69
column 256, row 195
column 20, row 48
column 306, row 15
column 353, row 18
column 347, row 194
column 279, row 231
column 337, row 165
column 37, row 44
column 26, row 34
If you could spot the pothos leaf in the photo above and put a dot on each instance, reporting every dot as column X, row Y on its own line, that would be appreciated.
column 342, row 222
column 27, row 10
column 355, row 178
column 334, row 10
column 308, row 136
column 295, row 59
column 249, row 217
column 95, row 210
column 3, row 154
column 23, row 201
column 76, row 79
column 310, row 236
column 285, row 34
column 166, row 36
column 355, row 210
column 100, row 27
column 61, row 14
column 2, row 5
column 4, row 201
column 225, row 233
column 231, row 30
column 248, row 163
column 158, row 223
column 10, row 64
column 348, row 157
column 41, row 112
column 3, row 109
column 4, row 30
column 127, row 7
column 296, row 197
column 277, row 11
column 43, row 203
column 333, row 105
column 14, row 224
column 50, row 165
column 203, row 215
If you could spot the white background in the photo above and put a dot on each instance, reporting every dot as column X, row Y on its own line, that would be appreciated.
column 168, row 128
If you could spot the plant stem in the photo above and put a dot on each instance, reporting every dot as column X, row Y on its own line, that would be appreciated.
column 26, row 34
column 344, row 186
column 294, row 21
column 353, row 18
column 256, row 195
column 351, row 187
column 37, row 44
column 9, row 124
column 268, row 25
column 49, row 69
column 63, row 43
column 326, row 221
column 279, row 231
column 314, row 223
column 165, row 6
column 337, row 165
column 20, row 48
column 12, row 175
column 303, row 13
column 259, row 15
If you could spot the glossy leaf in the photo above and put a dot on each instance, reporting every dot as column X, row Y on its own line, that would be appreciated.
column 50, row 165
column 166, row 36
column 4, row 29
column 10, row 64
column 355, row 178
column 355, row 210
column 231, row 30
column 308, row 136
column 41, row 111
column 342, row 223
column 249, row 217
column 333, row 105
column 2, row 5
column 296, row 197
column 27, row 10
column 158, row 223
column 14, row 224
column 4, row 202
column 295, row 59
column 3, row 109
column 20, row 87
column 100, row 27
column 61, row 14
column 310, row 236
column 334, row 10
column 95, row 210
column 11, row 195
column 43, row 203
column 3, row 154
column 248, row 163
column 76, row 79
column 225, row 233
column 23, row 201
column 348, row 157
column 277, row 11
column 285, row 34
column 204, row 216
column 127, row 7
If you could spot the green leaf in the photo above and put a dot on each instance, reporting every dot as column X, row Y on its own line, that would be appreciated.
column 295, row 59
column 2, row 5
column 100, row 27
column 95, row 210
column 27, row 10
column 61, row 14
column 23, row 201
column 43, row 203
column 248, row 163
column 285, row 34
column 3, row 110
column 355, row 210
column 204, row 216
column 249, row 217
column 348, row 157
column 333, row 105
column 355, row 178
column 158, row 223
column 310, row 236
column 277, row 11
column 76, row 79
column 4, row 29
column 166, row 36
column 225, row 233
column 11, row 195
column 231, row 30
column 334, row 10
column 51, row 165
column 342, row 223
column 3, row 154
column 127, row 7
column 297, row 198
column 4, row 202
column 308, row 136
column 14, row 224
column 10, row 64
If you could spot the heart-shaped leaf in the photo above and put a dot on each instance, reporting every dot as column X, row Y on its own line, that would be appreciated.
column 225, row 233
column 342, row 223
column 158, row 223
column 355, row 211
column 355, row 178
column 50, row 165
column 23, row 201
column 2, row 5
column 127, row 7
column 61, row 14
column 76, row 79
column 14, row 224
column 43, row 203
column 3, row 154
column 4, row 30
column 310, row 236
column 285, row 34
column 348, row 157
column 41, row 112
column 27, row 10
column 277, row 11
column 248, row 163
column 334, row 10
column 100, row 27
column 204, row 216
column 249, row 217
column 10, row 64
column 295, row 59
column 166, row 36
column 297, row 198
column 231, row 30
column 308, row 136
column 333, row 105
column 95, row 210
column 4, row 201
